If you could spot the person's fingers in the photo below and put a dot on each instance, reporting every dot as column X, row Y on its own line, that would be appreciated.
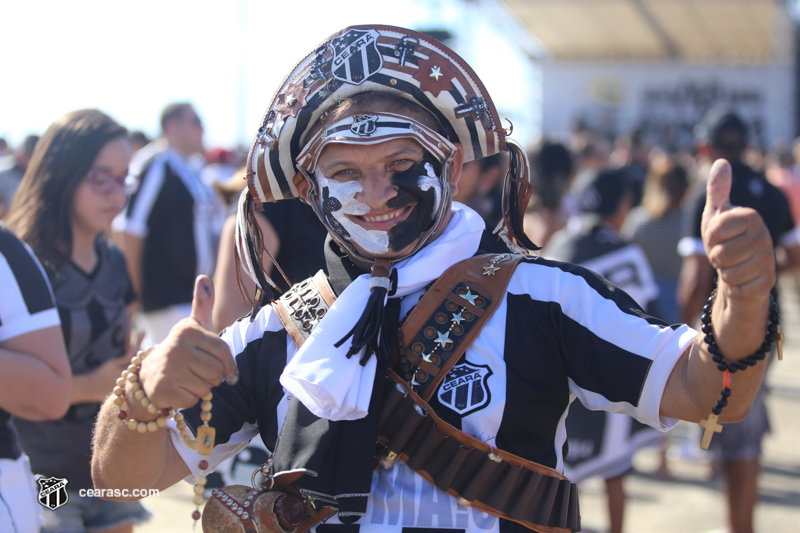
column 718, row 188
column 203, row 302
column 202, row 307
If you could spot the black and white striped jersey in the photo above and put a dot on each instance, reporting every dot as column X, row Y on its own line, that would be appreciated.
column 561, row 332
column 27, row 305
column 180, row 219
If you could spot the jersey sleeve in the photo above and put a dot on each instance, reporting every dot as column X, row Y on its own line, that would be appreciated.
column 27, row 303
column 260, row 349
column 616, row 357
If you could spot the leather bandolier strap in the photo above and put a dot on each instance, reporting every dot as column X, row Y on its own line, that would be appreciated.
column 433, row 337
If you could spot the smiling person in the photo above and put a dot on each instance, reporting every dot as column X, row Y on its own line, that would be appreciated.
column 460, row 365
column 76, row 184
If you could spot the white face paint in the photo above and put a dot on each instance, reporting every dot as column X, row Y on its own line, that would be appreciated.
column 374, row 242
column 431, row 180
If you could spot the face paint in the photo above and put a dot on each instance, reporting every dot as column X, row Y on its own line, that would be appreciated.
column 418, row 185
column 338, row 200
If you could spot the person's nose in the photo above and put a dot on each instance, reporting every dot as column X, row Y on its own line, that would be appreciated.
column 377, row 188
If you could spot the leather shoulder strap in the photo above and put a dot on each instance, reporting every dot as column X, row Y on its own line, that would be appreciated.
column 447, row 319
column 301, row 307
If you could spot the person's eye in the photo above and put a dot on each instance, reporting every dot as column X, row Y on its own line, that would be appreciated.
column 344, row 174
column 402, row 164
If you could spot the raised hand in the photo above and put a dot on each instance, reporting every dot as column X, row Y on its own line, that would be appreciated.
column 736, row 240
column 192, row 358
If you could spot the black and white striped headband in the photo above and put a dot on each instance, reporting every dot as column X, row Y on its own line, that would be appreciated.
column 373, row 128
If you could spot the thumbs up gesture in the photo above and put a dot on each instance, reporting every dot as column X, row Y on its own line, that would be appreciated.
column 192, row 358
column 736, row 240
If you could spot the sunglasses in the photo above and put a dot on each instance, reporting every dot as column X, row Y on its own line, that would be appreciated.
column 103, row 182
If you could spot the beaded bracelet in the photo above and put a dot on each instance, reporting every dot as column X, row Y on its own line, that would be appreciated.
column 203, row 443
column 773, row 334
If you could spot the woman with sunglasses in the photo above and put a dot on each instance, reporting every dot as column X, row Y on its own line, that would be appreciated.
column 75, row 185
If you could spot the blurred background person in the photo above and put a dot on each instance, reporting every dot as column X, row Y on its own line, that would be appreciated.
column 138, row 140
column 602, row 443
column 75, row 185
column 33, row 359
column 169, row 231
column 737, row 450
column 632, row 154
column 551, row 175
column 657, row 227
column 10, row 177
column 480, row 187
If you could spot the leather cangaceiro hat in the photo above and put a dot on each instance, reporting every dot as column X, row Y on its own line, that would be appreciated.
column 375, row 59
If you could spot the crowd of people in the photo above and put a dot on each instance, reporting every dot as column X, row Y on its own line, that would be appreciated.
column 105, row 231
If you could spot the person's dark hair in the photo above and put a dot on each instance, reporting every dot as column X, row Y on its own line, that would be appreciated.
column 551, row 169
column 726, row 132
column 665, row 186
column 602, row 196
column 3, row 144
column 173, row 112
column 139, row 137
column 41, row 210
column 29, row 145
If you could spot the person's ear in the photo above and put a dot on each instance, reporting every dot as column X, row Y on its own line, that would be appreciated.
column 455, row 169
column 301, row 184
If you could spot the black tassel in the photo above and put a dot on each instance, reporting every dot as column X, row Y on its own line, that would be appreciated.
column 367, row 331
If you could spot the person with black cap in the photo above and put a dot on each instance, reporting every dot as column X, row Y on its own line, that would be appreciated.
column 602, row 443
column 723, row 134
column 450, row 369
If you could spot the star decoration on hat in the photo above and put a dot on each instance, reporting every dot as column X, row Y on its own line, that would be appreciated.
column 435, row 74
column 292, row 100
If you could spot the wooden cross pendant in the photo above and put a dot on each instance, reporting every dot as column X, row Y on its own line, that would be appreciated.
column 780, row 343
column 711, row 427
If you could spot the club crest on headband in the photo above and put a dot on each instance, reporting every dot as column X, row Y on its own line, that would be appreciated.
column 364, row 125
column 356, row 56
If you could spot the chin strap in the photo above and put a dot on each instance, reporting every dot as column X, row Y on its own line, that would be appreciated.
column 367, row 331
column 517, row 190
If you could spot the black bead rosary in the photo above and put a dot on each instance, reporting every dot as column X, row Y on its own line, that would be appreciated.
column 774, row 334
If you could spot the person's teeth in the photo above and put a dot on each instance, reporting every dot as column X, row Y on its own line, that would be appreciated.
column 384, row 218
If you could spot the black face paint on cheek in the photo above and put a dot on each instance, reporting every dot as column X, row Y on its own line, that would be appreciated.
column 329, row 205
column 421, row 218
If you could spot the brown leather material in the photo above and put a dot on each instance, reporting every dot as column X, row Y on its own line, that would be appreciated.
column 469, row 274
column 485, row 478
column 382, row 268
column 490, row 480
column 302, row 306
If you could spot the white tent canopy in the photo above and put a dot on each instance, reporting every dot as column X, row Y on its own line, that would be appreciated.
column 718, row 31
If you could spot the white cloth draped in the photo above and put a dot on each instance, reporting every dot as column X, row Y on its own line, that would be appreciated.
column 320, row 375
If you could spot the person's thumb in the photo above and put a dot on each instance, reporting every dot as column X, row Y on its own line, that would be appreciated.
column 203, row 302
column 718, row 189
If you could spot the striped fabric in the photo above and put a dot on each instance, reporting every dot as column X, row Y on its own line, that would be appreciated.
column 27, row 303
column 370, row 58
column 561, row 333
